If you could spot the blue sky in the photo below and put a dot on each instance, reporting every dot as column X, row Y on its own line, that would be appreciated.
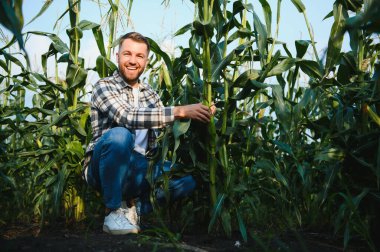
column 154, row 19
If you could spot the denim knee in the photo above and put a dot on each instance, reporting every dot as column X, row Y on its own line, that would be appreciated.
column 120, row 139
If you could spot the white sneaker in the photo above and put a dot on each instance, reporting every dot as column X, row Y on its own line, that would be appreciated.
column 117, row 223
column 132, row 213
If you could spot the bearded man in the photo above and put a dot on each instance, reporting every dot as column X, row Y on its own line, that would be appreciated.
column 125, row 115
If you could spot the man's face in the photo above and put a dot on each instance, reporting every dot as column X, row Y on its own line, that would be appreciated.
column 132, row 59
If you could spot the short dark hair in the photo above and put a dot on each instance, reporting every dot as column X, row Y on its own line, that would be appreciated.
column 136, row 37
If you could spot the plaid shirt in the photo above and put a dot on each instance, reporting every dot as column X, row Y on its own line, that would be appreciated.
column 112, row 105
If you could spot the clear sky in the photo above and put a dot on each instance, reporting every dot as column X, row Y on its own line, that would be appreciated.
column 158, row 21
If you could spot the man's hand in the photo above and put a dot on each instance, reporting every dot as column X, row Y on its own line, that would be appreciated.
column 196, row 111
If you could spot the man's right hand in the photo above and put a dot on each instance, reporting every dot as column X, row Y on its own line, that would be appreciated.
column 196, row 111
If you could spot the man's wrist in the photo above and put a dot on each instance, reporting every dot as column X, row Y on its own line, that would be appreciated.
column 178, row 112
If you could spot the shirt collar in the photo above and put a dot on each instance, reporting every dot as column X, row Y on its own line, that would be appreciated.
column 121, row 81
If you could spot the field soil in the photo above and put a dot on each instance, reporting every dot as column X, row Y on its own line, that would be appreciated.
column 60, row 238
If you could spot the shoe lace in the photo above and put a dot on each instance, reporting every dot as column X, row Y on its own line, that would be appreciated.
column 132, row 214
column 121, row 217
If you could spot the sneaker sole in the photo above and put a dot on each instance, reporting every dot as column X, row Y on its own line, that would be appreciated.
column 119, row 232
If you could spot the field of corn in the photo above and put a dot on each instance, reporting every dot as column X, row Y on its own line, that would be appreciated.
column 281, row 154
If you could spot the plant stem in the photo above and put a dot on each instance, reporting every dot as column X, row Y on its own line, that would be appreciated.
column 113, row 26
column 277, row 29
column 207, row 96
column 312, row 39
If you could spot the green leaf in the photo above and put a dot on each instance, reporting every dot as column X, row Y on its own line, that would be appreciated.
column 41, row 77
column 216, row 210
column 101, row 66
column 63, row 116
column 329, row 15
column 346, row 236
column 87, row 25
column 74, row 11
column 242, row 80
column 57, row 42
column 11, row 17
column 330, row 154
column 299, row 5
column 180, row 127
column 217, row 69
column 264, row 164
column 97, row 31
column 58, row 186
column 301, row 171
column 76, row 76
column 202, row 28
column 226, row 222
column 301, row 47
column 75, row 33
column 308, row 97
column 183, row 30
column 241, row 33
column 156, row 49
column 282, row 111
column 311, row 68
column 78, row 128
column 336, row 36
column 373, row 115
column 104, row 67
column 268, row 16
column 75, row 147
column 261, row 36
column 242, row 228
column 193, row 52
column 166, row 75
column 12, row 59
column 283, row 66
column 42, row 10
column 4, row 66
column 237, row 7
column 283, row 147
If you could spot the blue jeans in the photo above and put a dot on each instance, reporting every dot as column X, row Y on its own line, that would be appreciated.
column 120, row 173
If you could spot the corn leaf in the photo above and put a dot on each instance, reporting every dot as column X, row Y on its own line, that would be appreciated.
column 268, row 16
column 76, row 76
column 242, row 228
column 42, row 10
column 282, row 67
column 311, row 68
column 299, row 5
column 336, row 36
column 216, row 210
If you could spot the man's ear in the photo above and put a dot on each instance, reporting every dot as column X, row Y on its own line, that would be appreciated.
column 117, row 57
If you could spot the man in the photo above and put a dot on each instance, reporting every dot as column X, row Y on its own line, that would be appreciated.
column 124, row 115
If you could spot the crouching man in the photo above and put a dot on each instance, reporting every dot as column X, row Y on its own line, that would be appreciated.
column 125, row 113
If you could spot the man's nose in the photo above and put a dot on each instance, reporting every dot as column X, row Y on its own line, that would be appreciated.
column 132, row 59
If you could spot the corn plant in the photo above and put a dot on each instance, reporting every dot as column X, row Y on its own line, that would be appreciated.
column 275, row 155
column 57, row 127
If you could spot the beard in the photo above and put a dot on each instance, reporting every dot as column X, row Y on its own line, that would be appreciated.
column 131, row 77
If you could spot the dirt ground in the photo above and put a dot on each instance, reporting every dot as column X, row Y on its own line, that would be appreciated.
column 58, row 238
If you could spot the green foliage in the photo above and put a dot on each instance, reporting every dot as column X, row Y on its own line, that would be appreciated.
column 280, row 154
